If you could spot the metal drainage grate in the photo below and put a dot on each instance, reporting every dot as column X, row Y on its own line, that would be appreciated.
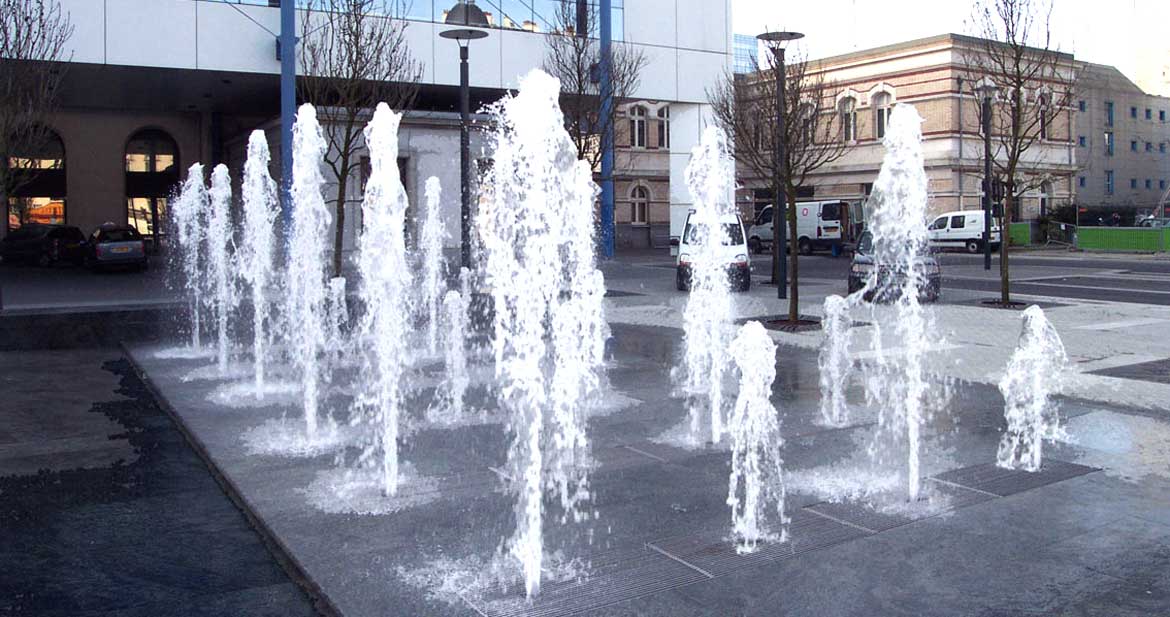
column 1157, row 371
column 712, row 552
column 618, row 576
column 1001, row 482
column 864, row 516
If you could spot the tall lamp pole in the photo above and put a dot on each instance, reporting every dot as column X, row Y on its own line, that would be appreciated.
column 987, row 88
column 607, row 156
column 465, row 13
column 287, row 48
column 776, row 42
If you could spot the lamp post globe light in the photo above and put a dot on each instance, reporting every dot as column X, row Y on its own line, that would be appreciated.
column 777, row 41
column 986, row 90
column 471, row 17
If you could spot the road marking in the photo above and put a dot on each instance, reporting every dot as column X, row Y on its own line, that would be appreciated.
column 1096, row 288
column 1117, row 325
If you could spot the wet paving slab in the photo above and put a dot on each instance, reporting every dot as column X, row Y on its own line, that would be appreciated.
column 105, row 510
column 656, row 541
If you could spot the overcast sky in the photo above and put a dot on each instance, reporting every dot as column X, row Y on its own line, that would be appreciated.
column 1129, row 34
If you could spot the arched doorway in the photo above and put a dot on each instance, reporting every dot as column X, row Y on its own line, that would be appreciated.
column 36, row 180
column 152, row 170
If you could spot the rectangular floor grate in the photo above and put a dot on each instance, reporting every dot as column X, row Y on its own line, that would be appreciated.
column 616, row 577
column 865, row 516
column 989, row 478
column 713, row 553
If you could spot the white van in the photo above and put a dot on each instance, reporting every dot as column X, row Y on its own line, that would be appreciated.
column 733, row 253
column 818, row 226
column 962, row 229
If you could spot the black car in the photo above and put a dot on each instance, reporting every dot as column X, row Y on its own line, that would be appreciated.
column 889, row 278
column 44, row 245
column 116, row 245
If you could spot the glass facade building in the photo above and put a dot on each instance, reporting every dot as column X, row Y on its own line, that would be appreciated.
column 746, row 53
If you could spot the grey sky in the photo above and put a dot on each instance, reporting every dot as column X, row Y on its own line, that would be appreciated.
column 1130, row 34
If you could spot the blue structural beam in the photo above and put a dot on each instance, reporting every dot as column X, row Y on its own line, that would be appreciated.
column 607, row 226
column 288, row 104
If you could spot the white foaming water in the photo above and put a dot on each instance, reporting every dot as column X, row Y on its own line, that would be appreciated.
column 449, row 406
column 431, row 253
column 190, row 212
column 833, row 361
column 305, row 302
column 898, row 221
column 756, row 486
column 384, row 289
column 707, row 318
column 220, row 248
column 336, row 318
column 256, row 259
column 536, row 228
column 1033, row 374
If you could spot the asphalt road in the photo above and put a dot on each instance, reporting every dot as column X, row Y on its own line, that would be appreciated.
column 1137, row 279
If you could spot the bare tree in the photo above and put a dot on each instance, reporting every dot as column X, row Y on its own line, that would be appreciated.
column 573, row 56
column 746, row 109
column 33, row 36
column 1035, row 83
column 353, row 56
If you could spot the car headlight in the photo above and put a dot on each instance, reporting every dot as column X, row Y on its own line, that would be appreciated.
column 933, row 268
column 741, row 259
column 861, row 268
column 685, row 258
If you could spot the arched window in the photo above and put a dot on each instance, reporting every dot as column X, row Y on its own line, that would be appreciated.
column 639, row 206
column 664, row 127
column 807, row 115
column 152, row 170
column 36, row 183
column 881, row 113
column 1045, row 197
column 637, row 126
column 847, row 109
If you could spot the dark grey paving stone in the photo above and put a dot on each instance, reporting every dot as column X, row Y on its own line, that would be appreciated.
column 1156, row 371
column 990, row 478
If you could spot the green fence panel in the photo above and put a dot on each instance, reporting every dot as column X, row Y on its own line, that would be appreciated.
column 1122, row 239
column 1020, row 234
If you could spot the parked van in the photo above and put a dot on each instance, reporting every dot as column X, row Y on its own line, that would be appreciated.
column 733, row 253
column 818, row 225
column 962, row 229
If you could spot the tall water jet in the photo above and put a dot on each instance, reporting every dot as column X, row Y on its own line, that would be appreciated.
column 190, row 212
column 306, row 298
column 833, row 361
column 431, row 244
column 256, row 258
column 710, row 177
column 455, row 377
column 756, row 485
column 220, row 249
column 537, row 233
column 384, row 287
column 1034, row 373
column 337, row 316
column 898, row 222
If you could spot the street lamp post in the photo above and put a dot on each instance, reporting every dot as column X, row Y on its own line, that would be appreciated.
column 776, row 41
column 987, row 89
column 465, row 13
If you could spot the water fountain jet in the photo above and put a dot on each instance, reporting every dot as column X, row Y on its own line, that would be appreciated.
column 220, row 249
column 1033, row 374
column 260, row 210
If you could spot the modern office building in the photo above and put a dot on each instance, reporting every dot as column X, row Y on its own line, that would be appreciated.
column 747, row 54
column 1123, row 146
column 153, row 86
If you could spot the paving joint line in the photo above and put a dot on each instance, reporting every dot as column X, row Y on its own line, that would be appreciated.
column 962, row 486
column 664, row 553
column 646, row 454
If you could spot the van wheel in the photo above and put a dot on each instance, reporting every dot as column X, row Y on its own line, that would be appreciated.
column 973, row 246
column 755, row 246
column 805, row 246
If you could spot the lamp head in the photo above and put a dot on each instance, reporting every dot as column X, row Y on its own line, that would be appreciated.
column 465, row 13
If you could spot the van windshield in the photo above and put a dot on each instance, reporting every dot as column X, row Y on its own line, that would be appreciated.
column 732, row 234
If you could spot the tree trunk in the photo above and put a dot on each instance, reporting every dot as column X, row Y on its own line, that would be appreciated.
column 793, row 252
column 339, row 219
column 1009, row 199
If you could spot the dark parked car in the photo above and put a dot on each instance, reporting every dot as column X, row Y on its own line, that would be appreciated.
column 44, row 245
column 889, row 278
column 116, row 245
